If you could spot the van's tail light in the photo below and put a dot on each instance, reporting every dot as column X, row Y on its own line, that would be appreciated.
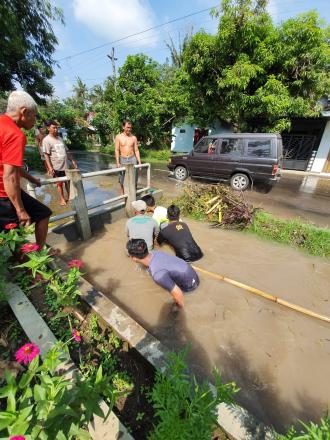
column 275, row 170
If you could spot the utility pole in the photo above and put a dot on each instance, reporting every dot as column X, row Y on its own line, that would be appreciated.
column 113, row 62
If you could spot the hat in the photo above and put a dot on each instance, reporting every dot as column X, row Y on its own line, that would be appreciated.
column 139, row 205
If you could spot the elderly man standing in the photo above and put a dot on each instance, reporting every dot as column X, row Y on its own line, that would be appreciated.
column 16, row 206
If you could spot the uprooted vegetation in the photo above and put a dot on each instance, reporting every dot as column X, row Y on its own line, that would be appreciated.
column 224, row 208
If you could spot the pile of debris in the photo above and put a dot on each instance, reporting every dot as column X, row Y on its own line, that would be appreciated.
column 219, row 204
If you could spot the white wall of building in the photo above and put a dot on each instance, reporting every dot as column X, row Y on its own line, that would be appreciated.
column 323, row 151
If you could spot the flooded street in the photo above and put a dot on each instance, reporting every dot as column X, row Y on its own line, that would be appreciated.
column 294, row 196
column 279, row 358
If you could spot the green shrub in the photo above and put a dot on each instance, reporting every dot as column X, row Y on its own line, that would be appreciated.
column 315, row 241
column 33, row 160
column 312, row 431
column 186, row 409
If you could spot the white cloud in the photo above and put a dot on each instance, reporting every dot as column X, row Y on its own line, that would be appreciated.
column 114, row 19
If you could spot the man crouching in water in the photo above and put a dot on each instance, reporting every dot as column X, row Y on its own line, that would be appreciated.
column 126, row 150
column 171, row 273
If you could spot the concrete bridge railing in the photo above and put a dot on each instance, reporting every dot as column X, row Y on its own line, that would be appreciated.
column 78, row 199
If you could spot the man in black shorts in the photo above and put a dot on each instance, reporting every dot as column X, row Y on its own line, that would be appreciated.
column 57, row 156
column 15, row 205
column 178, row 235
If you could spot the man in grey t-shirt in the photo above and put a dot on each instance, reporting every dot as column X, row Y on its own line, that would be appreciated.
column 57, row 156
column 172, row 273
column 142, row 226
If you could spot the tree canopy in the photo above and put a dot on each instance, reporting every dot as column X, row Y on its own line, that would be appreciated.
column 252, row 73
column 27, row 43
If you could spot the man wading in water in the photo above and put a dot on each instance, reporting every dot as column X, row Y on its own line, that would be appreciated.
column 126, row 150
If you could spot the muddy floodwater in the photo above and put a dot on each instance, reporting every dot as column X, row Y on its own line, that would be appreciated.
column 279, row 358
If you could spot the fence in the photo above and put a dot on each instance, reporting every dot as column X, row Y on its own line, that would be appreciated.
column 78, row 199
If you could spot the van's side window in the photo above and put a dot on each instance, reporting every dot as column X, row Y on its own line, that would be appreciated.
column 259, row 148
column 206, row 145
column 231, row 146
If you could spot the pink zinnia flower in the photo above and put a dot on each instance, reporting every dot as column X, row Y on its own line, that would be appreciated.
column 11, row 226
column 30, row 247
column 75, row 263
column 27, row 353
column 76, row 335
column 17, row 437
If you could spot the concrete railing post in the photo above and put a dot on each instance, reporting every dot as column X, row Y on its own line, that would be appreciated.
column 130, row 188
column 77, row 196
column 31, row 189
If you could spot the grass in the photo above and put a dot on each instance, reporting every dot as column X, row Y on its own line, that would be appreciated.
column 313, row 240
column 147, row 154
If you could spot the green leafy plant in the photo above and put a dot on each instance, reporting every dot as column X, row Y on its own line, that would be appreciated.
column 44, row 404
column 185, row 408
column 38, row 262
column 66, row 288
column 13, row 237
column 311, row 431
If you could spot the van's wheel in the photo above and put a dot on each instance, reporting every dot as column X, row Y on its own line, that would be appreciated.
column 180, row 173
column 239, row 182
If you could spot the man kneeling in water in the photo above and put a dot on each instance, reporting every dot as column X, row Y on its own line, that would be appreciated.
column 171, row 273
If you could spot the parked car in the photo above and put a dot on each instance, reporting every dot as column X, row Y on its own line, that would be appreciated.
column 240, row 158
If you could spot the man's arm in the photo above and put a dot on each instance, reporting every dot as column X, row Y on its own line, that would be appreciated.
column 164, row 279
column 73, row 160
column 11, row 181
column 30, row 178
column 117, row 151
column 177, row 294
column 49, row 164
column 136, row 150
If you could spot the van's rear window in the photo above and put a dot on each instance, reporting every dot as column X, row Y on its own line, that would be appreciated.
column 259, row 148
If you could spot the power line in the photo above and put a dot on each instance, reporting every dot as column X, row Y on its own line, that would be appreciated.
column 137, row 33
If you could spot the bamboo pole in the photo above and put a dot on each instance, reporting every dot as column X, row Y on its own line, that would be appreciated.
column 263, row 294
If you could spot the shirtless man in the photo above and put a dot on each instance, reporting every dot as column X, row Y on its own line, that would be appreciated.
column 126, row 150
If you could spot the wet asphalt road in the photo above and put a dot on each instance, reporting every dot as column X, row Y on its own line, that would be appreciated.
column 306, row 197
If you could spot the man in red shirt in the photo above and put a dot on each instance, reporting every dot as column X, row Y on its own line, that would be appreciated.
column 16, row 206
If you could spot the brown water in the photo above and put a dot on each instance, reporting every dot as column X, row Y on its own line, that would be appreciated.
column 279, row 358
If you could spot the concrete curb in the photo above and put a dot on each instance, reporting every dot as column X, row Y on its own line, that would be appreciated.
column 235, row 420
column 39, row 333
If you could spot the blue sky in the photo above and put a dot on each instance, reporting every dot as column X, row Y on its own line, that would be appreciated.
column 92, row 23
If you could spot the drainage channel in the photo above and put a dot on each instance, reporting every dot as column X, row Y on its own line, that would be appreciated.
column 233, row 419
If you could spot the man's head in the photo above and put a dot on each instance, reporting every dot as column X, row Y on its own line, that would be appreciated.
column 137, row 249
column 173, row 213
column 52, row 127
column 41, row 129
column 22, row 108
column 150, row 201
column 139, row 206
column 127, row 126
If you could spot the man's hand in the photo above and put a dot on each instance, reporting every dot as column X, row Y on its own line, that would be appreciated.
column 177, row 296
column 35, row 181
column 24, row 218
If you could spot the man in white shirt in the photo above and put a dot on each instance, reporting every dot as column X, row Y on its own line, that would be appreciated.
column 57, row 156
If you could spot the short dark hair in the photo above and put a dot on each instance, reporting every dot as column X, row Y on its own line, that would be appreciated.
column 149, row 199
column 40, row 126
column 126, row 121
column 50, row 122
column 137, row 247
column 173, row 212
